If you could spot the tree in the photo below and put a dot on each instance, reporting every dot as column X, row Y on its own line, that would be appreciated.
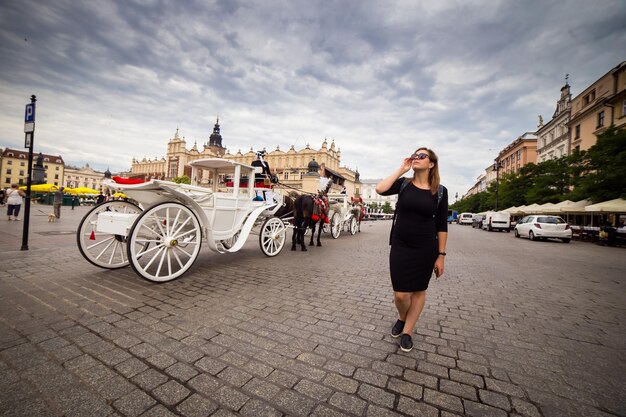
column 605, row 166
column 387, row 208
column 182, row 180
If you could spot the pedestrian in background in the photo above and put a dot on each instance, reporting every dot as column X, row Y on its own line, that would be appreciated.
column 13, row 197
column 74, row 201
column 100, row 198
column 58, row 202
column 418, row 237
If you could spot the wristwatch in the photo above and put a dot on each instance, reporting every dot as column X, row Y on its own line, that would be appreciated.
column 442, row 253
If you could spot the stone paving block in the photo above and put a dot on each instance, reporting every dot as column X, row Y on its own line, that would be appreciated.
column 256, row 408
column 402, row 361
column 341, row 383
column 158, row 411
column 258, row 368
column 53, row 344
column 494, row 399
column 66, row 353
column 134, row 403
column 229, row 397
column 181, row 371
column 205, row 384
column 339, row 367
column 283, row 378
column 348, row 403
column 170, row 393
column 143, row 350
column 373, row 378
column 131, row 367
column 472, row 367
column 323, row 410
column 234, row 376
column 127, row 341
column 149, row 379
column 387, row 368
column 504, row 387
column 482, row 410
column 313, row 390
column 234, row 358
column 113, row 357
column 80, row 402
column 442, row 400
column 95, row 373
column 433, row 369
column 375, row 395
column 458, row 389
column 411, row 407
column 261, row 388
column 196, row 406
column 406, row 388
column 210, row 365
column 467, row 378
column 113, row 388
column 161, row 360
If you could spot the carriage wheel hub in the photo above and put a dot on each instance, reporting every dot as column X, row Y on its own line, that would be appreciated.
column 173, row 242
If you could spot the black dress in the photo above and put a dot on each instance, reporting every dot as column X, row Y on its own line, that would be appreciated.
column 414, row 236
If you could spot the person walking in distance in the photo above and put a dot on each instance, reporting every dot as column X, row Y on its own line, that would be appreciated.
column 419, row 234
column 13, row 198
column 58, row 202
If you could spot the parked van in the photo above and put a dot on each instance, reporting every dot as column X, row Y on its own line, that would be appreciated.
column 497, row 220
column 466, row 218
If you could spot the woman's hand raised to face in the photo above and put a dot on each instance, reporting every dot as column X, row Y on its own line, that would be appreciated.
column 407, row 163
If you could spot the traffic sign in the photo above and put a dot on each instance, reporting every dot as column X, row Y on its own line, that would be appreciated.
column 29, row 116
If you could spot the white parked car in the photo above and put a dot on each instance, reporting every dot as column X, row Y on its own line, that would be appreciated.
column 466, row 218
column 497, row 220
column 542, row 227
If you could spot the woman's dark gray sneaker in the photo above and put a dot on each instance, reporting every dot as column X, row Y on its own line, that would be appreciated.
column 397, row 328
column 406, row 343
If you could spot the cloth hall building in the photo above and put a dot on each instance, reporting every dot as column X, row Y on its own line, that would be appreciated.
column 290, row 166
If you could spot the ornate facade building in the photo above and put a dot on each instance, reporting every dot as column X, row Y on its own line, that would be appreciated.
column 553, row 137
column 14, row 168
column 290, row 166
column 82, row 177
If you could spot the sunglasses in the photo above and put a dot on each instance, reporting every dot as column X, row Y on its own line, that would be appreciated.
column 419, row 156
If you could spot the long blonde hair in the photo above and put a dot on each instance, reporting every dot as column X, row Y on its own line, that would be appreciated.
column 433, row 173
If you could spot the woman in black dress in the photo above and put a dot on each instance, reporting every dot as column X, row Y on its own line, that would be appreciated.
column 418, row 237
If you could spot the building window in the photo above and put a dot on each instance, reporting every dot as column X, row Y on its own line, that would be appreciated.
column 56, row 168
column 286, row 175
column 7, row 181
column 22, row 172
column 577, row 132
column 9, row 162
column 623, row 108
column 56, row 176
column 601, row 119
column 22, row 163
column 8, row 171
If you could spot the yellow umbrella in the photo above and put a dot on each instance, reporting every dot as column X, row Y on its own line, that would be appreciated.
column 85, row 190
column 120, row 195
column 41, row 188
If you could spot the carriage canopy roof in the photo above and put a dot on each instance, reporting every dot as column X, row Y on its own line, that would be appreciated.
column 218, row 163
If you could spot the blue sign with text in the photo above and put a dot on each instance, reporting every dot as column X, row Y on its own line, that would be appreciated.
column 29, row 116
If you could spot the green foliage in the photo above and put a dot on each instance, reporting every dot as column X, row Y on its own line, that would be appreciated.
column 387, row 208
column 182, row 180
column 605, row 166
column 598, row 174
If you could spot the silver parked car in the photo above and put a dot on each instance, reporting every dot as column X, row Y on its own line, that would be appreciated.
column 542, row 227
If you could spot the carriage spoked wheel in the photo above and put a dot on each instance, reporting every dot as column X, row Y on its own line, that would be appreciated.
column 164, row 242
column 272, row 237
column 335, row 225
column 353, row 226
column 103, row 249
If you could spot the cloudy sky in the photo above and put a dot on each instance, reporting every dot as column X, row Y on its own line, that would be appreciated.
column 114, row 79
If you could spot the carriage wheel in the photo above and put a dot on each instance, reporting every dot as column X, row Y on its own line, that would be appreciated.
column 353, row 226
column 335, row 226
column 103, row 249
column 273, row 236
column 164, row 242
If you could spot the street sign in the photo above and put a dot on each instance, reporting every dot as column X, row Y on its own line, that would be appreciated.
column 29, row 116
column 28, row 139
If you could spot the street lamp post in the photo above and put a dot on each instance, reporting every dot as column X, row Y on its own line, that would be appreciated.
column 496, row 167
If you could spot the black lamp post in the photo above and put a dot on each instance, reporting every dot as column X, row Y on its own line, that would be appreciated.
column 496, row 167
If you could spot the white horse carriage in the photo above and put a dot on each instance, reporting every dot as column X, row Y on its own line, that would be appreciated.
column 161, row 236
column 343, row 215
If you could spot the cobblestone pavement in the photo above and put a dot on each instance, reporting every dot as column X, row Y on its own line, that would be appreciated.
column 515, row 328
